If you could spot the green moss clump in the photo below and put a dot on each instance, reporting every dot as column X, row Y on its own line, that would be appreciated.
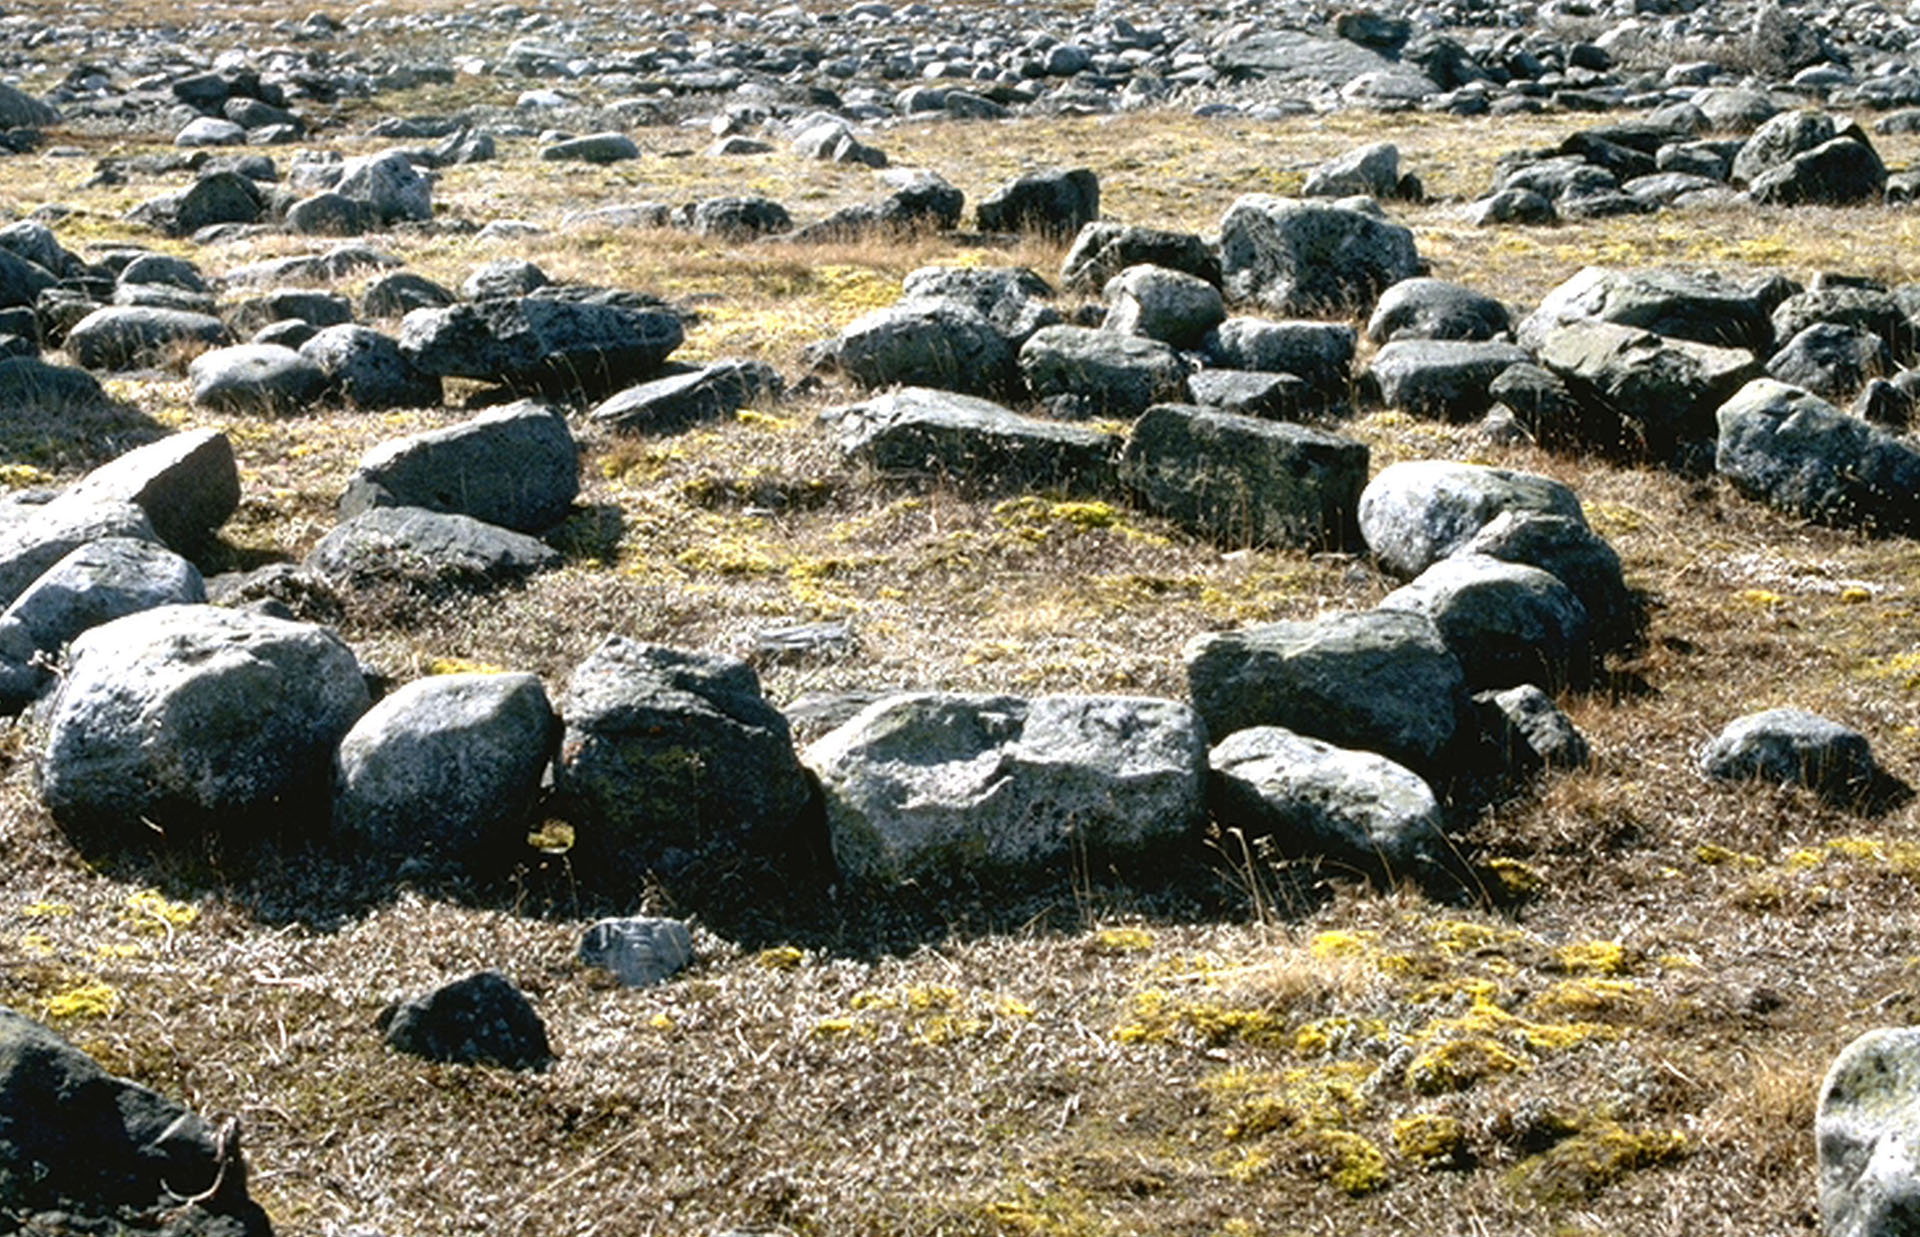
column 1431, row 1140
column 1577, row 1168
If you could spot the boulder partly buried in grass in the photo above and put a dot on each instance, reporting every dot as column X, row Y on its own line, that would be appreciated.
column 921, row 432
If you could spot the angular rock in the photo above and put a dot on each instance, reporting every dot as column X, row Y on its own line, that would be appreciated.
column 187, row 483
column 1306, row 258
column 542, row 345
column 1102, row 250
column 20, row 110
column 426, row 549
column 503, row 277
column 1794, row 451
column 98, row 582
column 1702, row 306
column 1380, row 680
column 1244, row 392
column 1170, row 306
column 480, row 1020
column 1296, row 56
column 117, row 337
column 638, row 952
column 1011, row 298
column 33, row 544
column 1441, row 377
column 1057, row 203
column 1660, row 391
column 1844, row 172
column 517, row 467
column 1242, row 481
column 1318, row 353
column 1529, row 731
column 1417, row 512
column 1579, row 557
column 679, row 400
column 1104, row 372
column 256, row 378
column 367, row 369
column 1372, row 171
column 933, row 786
column 1831, row 360
column 740, row 218
column 188, row 717
column 978, row 443
column 1507, row 623
column 1312, row 798
column 447, row 767
column 1792, row 747
column 930, row 343
column 397, row 294
column 669, row 757
column 392, row 188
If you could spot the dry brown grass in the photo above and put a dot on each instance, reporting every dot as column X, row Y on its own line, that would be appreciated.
column 1629, row 1047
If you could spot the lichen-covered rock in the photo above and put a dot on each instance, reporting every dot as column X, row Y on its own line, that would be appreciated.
column 1103, row 249
column 1867, row 1133
column 1308, row 258
column 1441, row 377
column 1426, row 308
column 1106, row 373
column 1508, row 623
column 1058, row 203
column 935, row 786
column 1244, row 481
column 446, row 767
column 669, row 756
column 1704, row 306
column 187, row 483
column 367, row 369
column 1792, row 747
column 1171, row 306
column 36, row 541
column 195, row 716
column 1417, row 512
column 1312, row 798
column 517, row 467
column 256, row 378
column 679, row 400
column 937, row 343
column 1379, row 680
column 1662, row 392
column 427, row 549
column 116, row 337
column 976, row 442
column 1794, row 451
column 542, row 345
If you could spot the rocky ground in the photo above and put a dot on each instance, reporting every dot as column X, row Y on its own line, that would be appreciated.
column 313, row 262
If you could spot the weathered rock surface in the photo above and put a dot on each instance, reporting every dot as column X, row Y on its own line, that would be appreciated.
column 480, row 1020
column 187, row 483
column 931, row 786
column 542, row 345
column 1415, row 513
column 975, row 441
column 1792, row 450
column 1792, row 747
column 192, row 716
column 517, row 467
column 1311, row 258
column 427, row 549
column 1867, row 1133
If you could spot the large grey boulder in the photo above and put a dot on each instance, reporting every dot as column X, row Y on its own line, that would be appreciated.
column 1661, row 392
column 1867, row 1133
column 187, row 483
column 194, row 716
column 1103, row 249
column 392, row 188
column 22, row 281
column 1101, row 373
column 1832, row 360
column 1874, row 310
column 446, row 767
column 1171, row 306
column 84, row 1151
column 116, row 337
column 1579, row 557
column 593, row 148
column 926, row 786
column 1792, row 747
column 1243, row 481
column 1844, row 172
column 1357, row 809
column 542, row 345
column 1292, row 56
column 1012, row 298
column 31, row 545
column 1379, row 680
column 679, row 400
column 1417, row 512
column 974, row 441
column 639, row 952
column 1700, row 305
column 669, row 757
column 1776, row 143
column 1302, row 258
column 1794, row 451
column 1441, row 377
column 928, row 343
column 1507, row 623
column 103, row 580
column 256, row 378
column 517, row 467
column 1371, row 171
column 480, row 1020
column 739, row 218
column 1427, row 308
column 367, row 369
column 1318, row 353
column 1057, row 203
column 426, row 549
